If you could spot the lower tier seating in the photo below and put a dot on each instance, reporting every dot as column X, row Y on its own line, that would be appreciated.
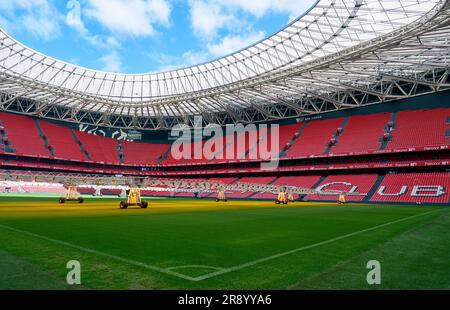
column 414, row 187
column 357, row 185
column 300, row 181
column 410, row 188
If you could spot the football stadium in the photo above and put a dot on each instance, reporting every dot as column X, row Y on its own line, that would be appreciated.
column 316, row 158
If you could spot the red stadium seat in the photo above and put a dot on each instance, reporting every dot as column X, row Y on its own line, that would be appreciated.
column 23, row 135
column 315, row 138
column 431, row 131
column 358, row 187
column 61, row 140
column 362, row 133
column 414, row 187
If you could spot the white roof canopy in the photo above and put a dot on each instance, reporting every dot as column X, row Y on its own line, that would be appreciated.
column 336, row 45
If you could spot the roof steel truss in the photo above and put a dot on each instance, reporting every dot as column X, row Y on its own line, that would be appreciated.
column 340, row 55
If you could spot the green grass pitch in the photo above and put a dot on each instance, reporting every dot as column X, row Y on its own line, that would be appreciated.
column 200, row 244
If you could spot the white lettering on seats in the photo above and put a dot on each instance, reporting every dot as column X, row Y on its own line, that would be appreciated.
column 403, row 191
column 352, row 190
column 428, row 191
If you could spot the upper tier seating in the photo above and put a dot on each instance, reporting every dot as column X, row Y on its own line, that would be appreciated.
column 358, row 184
column 197, row 154
column 243, row 146
column 101, row 149
column 240, row 146
column 419, row 128
column 414, row 187
column 138, row 153
column 62, row 141
column 315, row 138
column 362, row 133
column 23, row 135
column 262, row 149
column 287, row 133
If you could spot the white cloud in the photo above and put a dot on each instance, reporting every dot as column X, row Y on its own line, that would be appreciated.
column 135, row 18
column 260, row 8
column 74, row 20
column 187, row 59
column 112, row 62
column 226, row 45
column 37, row 17
column 207, row 18
column 226, row 26
column 233, row 43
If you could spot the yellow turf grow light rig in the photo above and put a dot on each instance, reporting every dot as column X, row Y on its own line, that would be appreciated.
column 134, row 199
column 71, row 195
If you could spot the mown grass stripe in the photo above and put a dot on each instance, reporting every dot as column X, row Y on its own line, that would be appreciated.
column 91, row 251
column 311, row 246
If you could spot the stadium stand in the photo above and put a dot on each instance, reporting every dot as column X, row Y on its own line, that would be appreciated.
column 300, row 181
column 111, row 191
column 427, row 187
column 100, row 149
column 406, row 133
column 288, row 133
column 137, row 153
column 63, row 141
column 414, row 187
column 29, row 139
column 358, row 187
column 23, row 135
column 171, row 160
column 250, row 180
column 354, row 139
column 32, row 187
column 315, row 138
column 86, row 190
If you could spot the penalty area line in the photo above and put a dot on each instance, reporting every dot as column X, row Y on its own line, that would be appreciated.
column 91, row 251
column 311, row 246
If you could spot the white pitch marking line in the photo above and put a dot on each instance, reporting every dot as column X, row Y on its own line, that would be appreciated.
column 195, row 266
column 209, row 275
column 265, row 259
column 114, row 257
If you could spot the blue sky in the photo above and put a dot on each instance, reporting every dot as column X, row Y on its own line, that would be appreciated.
column 135, row 36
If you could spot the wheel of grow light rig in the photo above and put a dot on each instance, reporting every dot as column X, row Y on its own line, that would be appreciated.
column 62, row 200
column 80, row 200
column 144, row 204
column 123, row 205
